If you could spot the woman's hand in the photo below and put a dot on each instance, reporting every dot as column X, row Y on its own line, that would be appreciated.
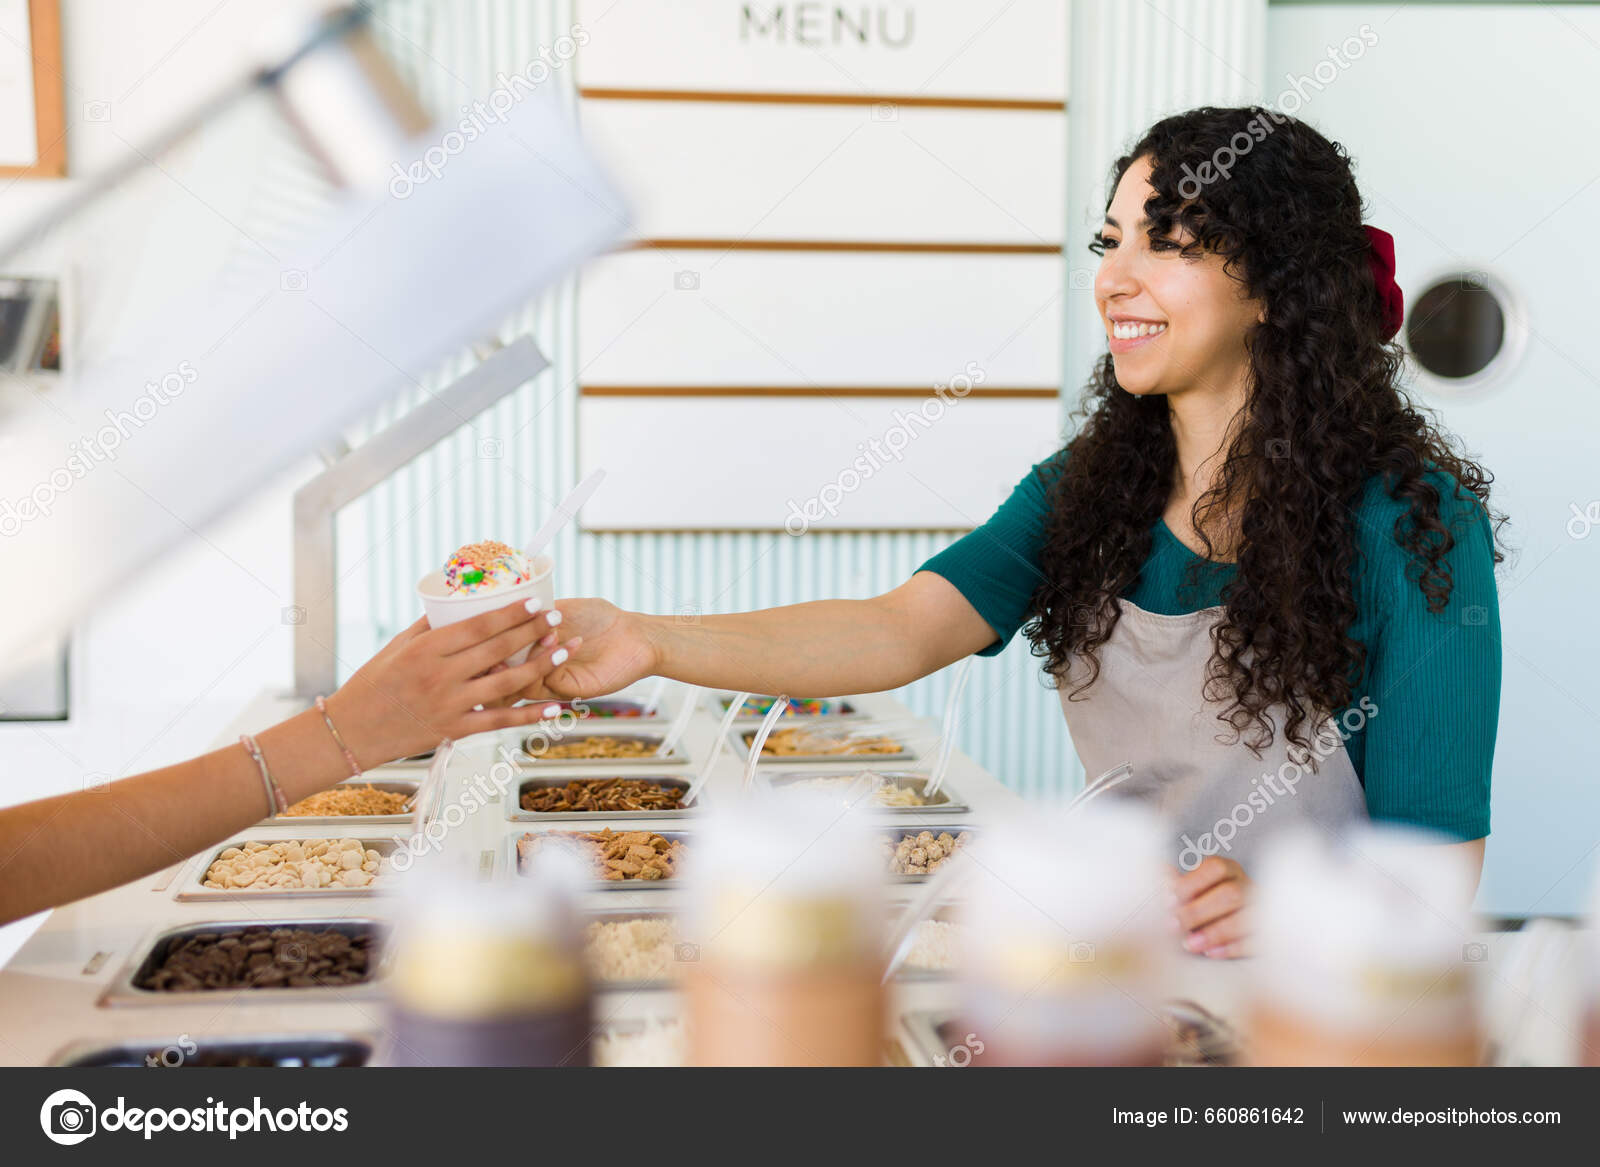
column 428, row 684
column 1211, row 899
column 607, row 649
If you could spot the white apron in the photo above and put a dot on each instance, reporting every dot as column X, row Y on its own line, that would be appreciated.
column 1147, row 708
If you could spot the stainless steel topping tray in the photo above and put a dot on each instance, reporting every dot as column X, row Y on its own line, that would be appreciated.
column 176, row 1050
column 945, row 913
column 1199, row 1037
column 741, row 739
column 406, row 786
column 515, row 812
column 924, row 1026
column 895, row 834
column 841, row 709
column 614, row 711
column 192, row 888
column 514, row 865
column 665, row 1013
column 123, row 988
column 676, row 758
column 950, row 798
column 617, row 915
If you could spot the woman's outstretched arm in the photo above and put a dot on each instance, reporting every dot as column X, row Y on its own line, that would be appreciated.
column 820, row 649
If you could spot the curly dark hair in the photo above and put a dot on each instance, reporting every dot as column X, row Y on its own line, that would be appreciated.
column 1324, row 414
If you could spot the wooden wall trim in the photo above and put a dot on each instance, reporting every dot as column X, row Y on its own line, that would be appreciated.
column 49, row 109
column 903, row 247
column 986, row 391
column 754, row 97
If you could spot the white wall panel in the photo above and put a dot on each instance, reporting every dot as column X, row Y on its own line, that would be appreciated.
column 733, row 171
column 944, row 47
column 820, row 318
column 847, row 462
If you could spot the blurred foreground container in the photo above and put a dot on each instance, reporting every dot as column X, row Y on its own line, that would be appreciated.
column 1071, row 944
column 788, row 906
column 491, row 975
column 1366, row 953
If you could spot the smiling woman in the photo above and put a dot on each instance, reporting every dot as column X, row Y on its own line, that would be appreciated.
column 1283, row 538
column 1282, row 411
column 1256, row 572
column 1141, row 295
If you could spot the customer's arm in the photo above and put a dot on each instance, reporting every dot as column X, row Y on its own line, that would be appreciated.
column 418, row 690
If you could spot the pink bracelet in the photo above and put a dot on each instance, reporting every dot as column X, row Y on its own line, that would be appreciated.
column 276, row 802
column 349, row 756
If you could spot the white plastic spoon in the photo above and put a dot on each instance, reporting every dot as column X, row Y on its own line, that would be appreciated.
column 652, row 699
column 947, row 743
column 779, row 707
column 1115, row 776
column 716, row 749
column 566, row 510
column 680, row 723
column 425, row 789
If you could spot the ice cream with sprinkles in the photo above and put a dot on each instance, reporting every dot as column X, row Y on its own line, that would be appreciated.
column 485, row 566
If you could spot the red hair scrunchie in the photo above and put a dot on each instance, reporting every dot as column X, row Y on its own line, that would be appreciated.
column 1391, row 301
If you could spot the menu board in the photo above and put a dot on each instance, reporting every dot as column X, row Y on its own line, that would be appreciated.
column 932, row 48
column 844, row 292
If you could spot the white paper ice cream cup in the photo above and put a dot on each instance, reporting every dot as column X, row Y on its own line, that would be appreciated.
column 445, row 607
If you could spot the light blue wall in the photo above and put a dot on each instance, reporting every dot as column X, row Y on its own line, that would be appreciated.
column 1494, row 186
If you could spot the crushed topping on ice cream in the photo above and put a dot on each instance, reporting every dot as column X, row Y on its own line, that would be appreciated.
column 482, row 567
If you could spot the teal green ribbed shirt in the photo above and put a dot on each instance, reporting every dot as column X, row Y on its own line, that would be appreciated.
column 1425, row 755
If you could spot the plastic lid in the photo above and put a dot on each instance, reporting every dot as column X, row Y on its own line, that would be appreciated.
column 1097, row 869
column 797, row 884
column 467, row 948
column 1070, row 947
column 1369, row 929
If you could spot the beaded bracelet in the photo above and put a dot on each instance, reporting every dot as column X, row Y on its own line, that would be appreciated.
column 276, row 802
column 349, row 756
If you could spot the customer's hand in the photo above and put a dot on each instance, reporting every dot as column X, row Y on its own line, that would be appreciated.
column 1210, row 910
column 607, row 649
column 428, row 684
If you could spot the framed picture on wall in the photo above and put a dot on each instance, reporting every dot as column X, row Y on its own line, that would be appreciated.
column 33, row 126
column 30, row 326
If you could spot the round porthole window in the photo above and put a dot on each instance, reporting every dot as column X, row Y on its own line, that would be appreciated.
column 1461, row 330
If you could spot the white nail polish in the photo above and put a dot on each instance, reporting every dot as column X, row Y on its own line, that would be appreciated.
column 553, row 618
column 531, row 606
column 558, row 657
column 550, row 712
